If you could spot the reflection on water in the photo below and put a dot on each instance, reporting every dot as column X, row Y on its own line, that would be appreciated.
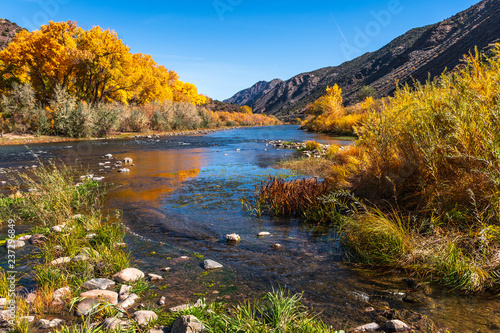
column 182, row 197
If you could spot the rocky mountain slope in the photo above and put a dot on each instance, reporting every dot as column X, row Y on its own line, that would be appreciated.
column 7, row 32
column 415, row 55
column 252, row 94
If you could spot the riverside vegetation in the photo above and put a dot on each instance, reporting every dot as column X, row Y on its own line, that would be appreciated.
column 68, row 222
column 66, row 81
column 420, row 189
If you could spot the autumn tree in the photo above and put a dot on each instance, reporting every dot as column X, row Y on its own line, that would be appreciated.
column 329, row 104
column 93, row 65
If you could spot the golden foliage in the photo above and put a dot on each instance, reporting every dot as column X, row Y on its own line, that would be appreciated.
column 93, row 65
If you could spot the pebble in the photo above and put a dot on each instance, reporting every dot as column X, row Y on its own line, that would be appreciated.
column 13, row 244
column 128, row 302
column 124, row 170
column 276, row 246
column 107, row 295
column 128, row 160
column 165, row 269
column 60, row 261
column 124, row 292
column 185, row 324
column 161, row 301
column 113, row 324
column 263, row 234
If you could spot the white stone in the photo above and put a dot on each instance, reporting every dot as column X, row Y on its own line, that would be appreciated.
column 60, row 261
column 128, row 275
column 13, row 244
column 46, row 324
column 372, row 327
column 128, row 302
column 128, row 160
column 116, row 324
column 165, row 269
column 263, row 234
column 144, row 317
column 211, row 264
column 233, row 238
column 108, row 156
column 123, row 170
column 124, row 292
column 58, row 228
column 24, row 238
column 162, row 300
column 100, row 283
column 155, row 277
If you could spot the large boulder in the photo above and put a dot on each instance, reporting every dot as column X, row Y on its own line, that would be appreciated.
column 128, row 275
column 187, row 324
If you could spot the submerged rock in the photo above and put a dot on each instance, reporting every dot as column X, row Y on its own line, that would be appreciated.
column 124, row 170
column 233, row 238
column 209, row 264
column 14, row 244
column 38, row 239
column 128, row 160
column 263, row 234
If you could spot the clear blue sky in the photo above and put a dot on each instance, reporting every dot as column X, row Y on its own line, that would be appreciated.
column 223, row 46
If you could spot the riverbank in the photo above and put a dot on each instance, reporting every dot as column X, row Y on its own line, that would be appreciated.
column 13, row 139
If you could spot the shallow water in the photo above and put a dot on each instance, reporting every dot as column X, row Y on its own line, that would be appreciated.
column 183, row 196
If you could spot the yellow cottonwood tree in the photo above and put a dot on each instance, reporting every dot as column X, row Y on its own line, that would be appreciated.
column 330, row 103
column 93, row 65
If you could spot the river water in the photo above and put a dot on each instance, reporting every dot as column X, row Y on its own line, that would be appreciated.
column 183, row 196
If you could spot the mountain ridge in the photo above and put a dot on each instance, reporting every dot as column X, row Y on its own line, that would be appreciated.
column 416, row 55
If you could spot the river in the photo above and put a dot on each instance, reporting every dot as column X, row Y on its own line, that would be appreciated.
column 182, row 197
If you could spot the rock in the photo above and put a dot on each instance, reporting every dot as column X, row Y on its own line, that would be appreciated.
column 59, row 296
column 161, row 301
column 107, row 295
column 46, row 324
column 3, row 302
column 210, row 264
column 25, row 238
column 13, row 244
column 128, row 275
column 30, row 298
column 60, row 261
column 58, row 248
column 98, row 179
column 187, row 324
column 179, row 308
column 161, row 329
column 233, row 238
column 128, row 160
column 85, row 306
column 113, row 324
column 144, row 317
column 124, row 292
column 100, row 283
column 38, row 239
column 263, row 234
column 165, row 269
column 276, row 246
column 123, row 170
column 155, row 277
column 128, row 302
column 90, row 236
column 372, row 327
column 397, row 326
column 118, row 163
column 58, row 228
column 108, row 156
column 369, row 309
column 77, row 216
